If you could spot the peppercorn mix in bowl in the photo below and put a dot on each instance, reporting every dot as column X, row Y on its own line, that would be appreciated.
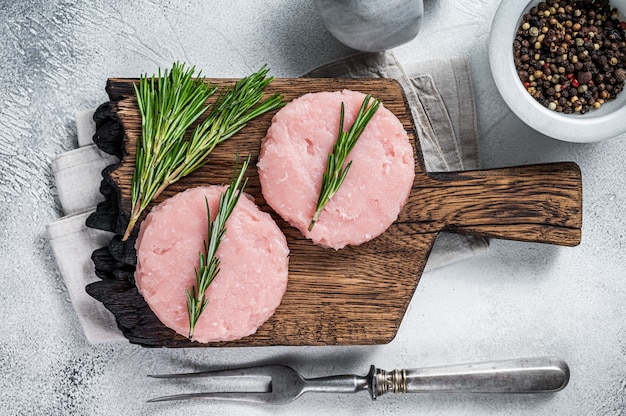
column 561, row 65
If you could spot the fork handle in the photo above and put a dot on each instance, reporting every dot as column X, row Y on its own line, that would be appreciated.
column 520, row 375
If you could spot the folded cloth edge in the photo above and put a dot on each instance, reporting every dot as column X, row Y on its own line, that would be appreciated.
column 70, row 238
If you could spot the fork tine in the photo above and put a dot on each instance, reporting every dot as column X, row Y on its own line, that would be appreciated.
column 250, row 397
column 256, row 371
column 284, row 385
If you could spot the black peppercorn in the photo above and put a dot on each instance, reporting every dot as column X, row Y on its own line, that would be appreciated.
column 584, row 77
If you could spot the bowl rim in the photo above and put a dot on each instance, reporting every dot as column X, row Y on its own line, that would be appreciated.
column 585, row 128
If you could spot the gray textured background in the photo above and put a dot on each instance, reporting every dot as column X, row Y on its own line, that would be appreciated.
column 517, row 300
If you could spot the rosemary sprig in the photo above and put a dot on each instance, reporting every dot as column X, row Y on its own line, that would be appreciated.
column 335, row 172
column 169, row 105
column 209, row 263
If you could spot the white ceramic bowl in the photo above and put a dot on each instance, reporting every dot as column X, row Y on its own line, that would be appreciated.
column 598, row 124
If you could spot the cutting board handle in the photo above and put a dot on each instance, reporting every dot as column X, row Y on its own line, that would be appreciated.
column 537, row 203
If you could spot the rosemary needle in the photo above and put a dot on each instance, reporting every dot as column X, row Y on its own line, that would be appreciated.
column 169, row 105
column 209, row 263
column 335, row 172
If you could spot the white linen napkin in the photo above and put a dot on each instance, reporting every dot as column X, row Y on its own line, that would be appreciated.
column 442, row 103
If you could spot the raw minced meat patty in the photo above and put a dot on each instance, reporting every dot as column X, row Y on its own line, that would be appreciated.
column 253, row 270
column 294, row 155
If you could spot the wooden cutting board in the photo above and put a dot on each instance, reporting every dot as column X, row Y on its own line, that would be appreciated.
column 357, row 295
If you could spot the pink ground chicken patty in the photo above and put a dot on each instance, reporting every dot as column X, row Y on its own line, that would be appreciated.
column 253, row 271
column 294, row 155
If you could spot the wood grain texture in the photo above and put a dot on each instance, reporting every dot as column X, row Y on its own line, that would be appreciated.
column 357, row 295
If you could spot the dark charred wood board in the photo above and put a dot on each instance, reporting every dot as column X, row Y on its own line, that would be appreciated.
column 357, row 295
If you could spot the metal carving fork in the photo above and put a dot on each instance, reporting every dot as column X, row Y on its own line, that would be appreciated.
column 522, row 375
